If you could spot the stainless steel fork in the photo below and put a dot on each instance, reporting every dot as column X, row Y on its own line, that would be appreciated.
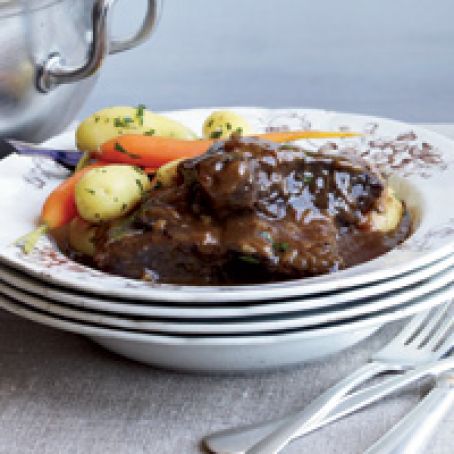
column 412, row 433
column 426, row 338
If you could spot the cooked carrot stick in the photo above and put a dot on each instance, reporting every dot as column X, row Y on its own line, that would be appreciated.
column 290, row 136
column 150, row 151
column 58, row 209
column 154, row 151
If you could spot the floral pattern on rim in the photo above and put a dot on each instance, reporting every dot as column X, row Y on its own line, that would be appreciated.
column 43, row 171
column 47, row 255
column 404, row 154
column 287, row 120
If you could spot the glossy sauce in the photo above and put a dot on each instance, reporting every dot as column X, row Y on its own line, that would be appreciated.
column 249, row 211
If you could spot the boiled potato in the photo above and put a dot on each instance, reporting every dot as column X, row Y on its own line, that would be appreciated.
column 115, row 121
column 166, row 174
column 389, row 215
column 107, row 193
column 222, row 123
column 82, row 236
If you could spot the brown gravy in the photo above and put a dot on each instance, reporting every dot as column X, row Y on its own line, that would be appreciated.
column 250, row 211
column 360, row 246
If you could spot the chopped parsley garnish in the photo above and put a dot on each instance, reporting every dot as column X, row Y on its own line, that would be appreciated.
column 90, row 191
column 139, row 170
column 139, row 113
column 281, row 247
column 228, row 126
column 124, row 122
column 216, row 134
column 97, row 118
column 239, row 131
column 140, row 186
column 150, row 132
column 124, row 206
column 249, row 259
column 308, row 178
column 121, row 149
column 210, row 123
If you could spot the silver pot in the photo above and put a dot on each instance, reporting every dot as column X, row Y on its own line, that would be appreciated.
column 50, row 53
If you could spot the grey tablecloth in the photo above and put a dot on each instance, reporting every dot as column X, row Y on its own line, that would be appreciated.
column 59, row 393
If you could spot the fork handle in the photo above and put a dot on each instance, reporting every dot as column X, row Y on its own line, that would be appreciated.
column 239, row 440
column 413, row 432
column 317, row 410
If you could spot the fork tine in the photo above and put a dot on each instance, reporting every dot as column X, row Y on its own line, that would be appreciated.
column 441, row 332
column 411, row 327
column 446, row 346
column 431, row 323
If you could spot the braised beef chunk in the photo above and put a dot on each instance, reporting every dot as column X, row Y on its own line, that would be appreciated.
column 273, row 180
column 245, row 211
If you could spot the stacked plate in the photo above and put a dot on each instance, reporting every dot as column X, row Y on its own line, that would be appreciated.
column 241, row 327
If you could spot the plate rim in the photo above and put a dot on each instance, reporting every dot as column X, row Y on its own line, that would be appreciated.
column 18, row 309
column 21, row 282
column 442, row 285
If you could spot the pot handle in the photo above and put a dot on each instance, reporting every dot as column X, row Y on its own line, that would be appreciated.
column 54, row 72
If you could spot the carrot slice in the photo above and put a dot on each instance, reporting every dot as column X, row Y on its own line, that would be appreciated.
column 154, row 151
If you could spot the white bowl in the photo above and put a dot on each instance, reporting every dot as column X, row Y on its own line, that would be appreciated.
column 223, row 354
column 199, row 354
column 419, row 166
